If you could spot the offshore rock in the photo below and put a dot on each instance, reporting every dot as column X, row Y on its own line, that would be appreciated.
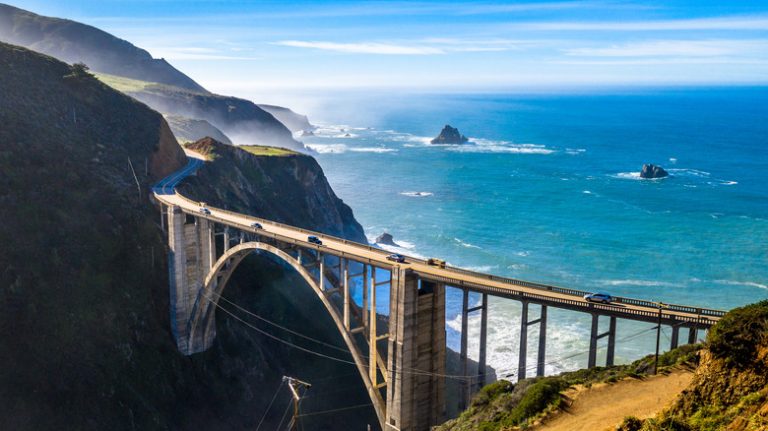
column 653, row 171
column 386, row 239
column 449, row 135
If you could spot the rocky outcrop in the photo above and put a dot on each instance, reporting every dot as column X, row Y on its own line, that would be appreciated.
column 650, row 171
column 293, row 121
column 305, row 133
column 191, row 130
column 449, row 136
column 386, row 239
column 289, row 189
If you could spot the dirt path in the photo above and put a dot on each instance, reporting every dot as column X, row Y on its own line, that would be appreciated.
column 604, row 406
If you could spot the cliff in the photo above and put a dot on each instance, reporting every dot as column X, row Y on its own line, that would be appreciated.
column 293, row 121
column 266, row 183
column 85, row 341
column 74, row 42
column 189, row 130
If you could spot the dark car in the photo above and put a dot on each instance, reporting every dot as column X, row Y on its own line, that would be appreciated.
column 204, row 210
column 314, row 240
column 256, row 226
column 599, row 297
column 399, row 258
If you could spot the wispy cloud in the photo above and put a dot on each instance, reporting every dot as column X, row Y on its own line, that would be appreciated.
column 363, row 47
column 201, row 53
column 677, row 48
column 755, row 22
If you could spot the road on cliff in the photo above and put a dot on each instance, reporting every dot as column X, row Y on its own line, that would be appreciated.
column 603, row 406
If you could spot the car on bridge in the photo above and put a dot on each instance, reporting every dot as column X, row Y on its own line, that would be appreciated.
column 599, row 297
column 204, row 210
column 314, row 240
column 256, row 226
column 399, row 258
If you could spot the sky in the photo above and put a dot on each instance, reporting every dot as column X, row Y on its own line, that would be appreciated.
column 255, row 46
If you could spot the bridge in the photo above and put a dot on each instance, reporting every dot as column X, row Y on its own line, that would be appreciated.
column 402, row 361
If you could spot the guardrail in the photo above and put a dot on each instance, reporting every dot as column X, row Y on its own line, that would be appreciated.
column 702, row 313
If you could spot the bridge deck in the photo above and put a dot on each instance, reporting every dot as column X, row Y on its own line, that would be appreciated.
column 628, row 308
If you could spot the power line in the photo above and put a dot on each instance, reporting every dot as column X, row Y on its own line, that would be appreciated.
column 288, row 407
column 323, row 412
column 270, row 405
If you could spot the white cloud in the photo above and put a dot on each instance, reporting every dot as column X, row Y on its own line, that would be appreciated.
column 363, row 47
column 676, row 48
column 756, row 22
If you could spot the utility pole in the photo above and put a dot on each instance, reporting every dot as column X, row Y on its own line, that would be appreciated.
column 295, row 386
column 658, row 339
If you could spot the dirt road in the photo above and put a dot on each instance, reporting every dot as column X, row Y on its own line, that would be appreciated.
column 604, row 406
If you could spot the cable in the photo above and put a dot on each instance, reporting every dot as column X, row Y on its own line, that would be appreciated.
column 220, row 297
column 284, row 413
column 322, row 412
column 333, row 358
column 270, row 404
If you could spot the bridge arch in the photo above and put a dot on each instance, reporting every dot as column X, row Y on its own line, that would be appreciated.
column 202, row 324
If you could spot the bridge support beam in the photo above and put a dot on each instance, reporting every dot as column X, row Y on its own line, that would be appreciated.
column 675, row 341
column 692, row 335
column 542, row 350
column 416, row 353
column 191, row 257
column 594, row 337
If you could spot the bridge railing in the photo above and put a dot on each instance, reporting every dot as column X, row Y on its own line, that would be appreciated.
column 704, row 312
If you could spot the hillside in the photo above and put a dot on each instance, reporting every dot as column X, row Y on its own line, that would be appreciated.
column 189, row 130
column 85, row 340
column 74, row 42
column 293, row 121
column 265, row 184
column 153, row 81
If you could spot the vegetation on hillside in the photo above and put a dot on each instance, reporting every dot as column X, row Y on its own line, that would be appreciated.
column 503, row 405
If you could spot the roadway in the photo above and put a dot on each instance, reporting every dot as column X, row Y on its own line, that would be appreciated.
column 635, row 309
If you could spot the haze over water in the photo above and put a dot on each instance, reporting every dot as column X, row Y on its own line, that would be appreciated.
column 549, row 192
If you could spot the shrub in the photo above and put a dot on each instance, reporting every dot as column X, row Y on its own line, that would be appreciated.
column 630, row 423
column 737, row 335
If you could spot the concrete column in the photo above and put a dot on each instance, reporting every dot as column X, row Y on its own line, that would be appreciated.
column 373, row 354
column 609, row 355
column 177, row 276
column 540, row 361
column 675, row 337
column 523, row 342
column 592, row 361
column 416, row 359
column 225, row 247
column 481, row 362
column 321, row 271
column 692, row 335
column 464, row 387
column 364, row 305
column 162, row 218
column 345, row 281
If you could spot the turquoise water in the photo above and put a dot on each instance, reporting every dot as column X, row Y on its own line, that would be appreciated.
column 548, row 191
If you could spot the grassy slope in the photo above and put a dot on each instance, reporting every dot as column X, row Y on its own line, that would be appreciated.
column 502, row 405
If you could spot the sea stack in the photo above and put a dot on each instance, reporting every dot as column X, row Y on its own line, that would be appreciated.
column 653, row 171
column 386, row 239
column 449, row 135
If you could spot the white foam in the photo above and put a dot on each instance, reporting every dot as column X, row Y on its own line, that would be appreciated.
column 482, row 268
column 628, row 175
column 575, row 151
column 417, row 194
column 632, row 282
column 328, row 148
column 672, row 160
column 373, row 150
column 689, row 172
column 742, row 283
column 466, row 244
column 586, row 192
column 523, row 253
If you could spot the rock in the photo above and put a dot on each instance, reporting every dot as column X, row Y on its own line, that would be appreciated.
column 305, row 133
column 347, row 135
column 653, row 171
column 449, row 135
column 386, row 239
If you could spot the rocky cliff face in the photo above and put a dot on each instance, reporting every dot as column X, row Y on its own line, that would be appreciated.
column 289, row 188
column 85, row 341
column 293, row 121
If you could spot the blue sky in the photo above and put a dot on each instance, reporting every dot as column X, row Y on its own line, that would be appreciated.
column 255, row 46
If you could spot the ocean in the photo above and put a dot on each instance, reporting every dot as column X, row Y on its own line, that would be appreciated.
column 548, row 190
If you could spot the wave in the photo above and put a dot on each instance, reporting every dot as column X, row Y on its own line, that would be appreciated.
column 328, row 148
column 481, row 268
column 478, row 145
column 575, row 151
column 417, row 194
column 644, row 283
column 688, row 173
column 466, row 244
column 373, row 150
column 742, row 283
